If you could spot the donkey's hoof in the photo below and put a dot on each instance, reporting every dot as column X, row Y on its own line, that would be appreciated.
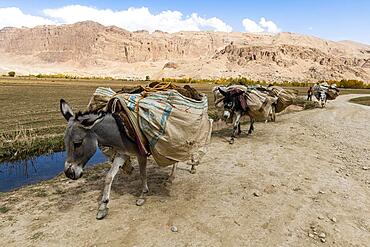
column 231, row 141
column 140, row 202
column 101, row 213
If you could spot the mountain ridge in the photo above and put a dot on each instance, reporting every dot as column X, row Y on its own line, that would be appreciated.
column 92, row 49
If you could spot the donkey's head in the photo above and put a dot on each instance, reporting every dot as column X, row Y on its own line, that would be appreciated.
column 79, row 140
column 230, row 103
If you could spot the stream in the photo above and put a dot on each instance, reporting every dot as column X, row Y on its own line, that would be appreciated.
column 20, row 173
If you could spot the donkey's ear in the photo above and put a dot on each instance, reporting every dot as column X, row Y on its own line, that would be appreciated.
column 224, row 93
column 65, row 109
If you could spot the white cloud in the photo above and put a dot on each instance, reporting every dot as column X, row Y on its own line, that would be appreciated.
column 14, row 17
column 137, row 18
column 269, row 26
column 131, row 19
column 263, row 26
column 251, row 26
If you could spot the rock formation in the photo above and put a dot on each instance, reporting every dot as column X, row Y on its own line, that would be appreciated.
column 89, row 48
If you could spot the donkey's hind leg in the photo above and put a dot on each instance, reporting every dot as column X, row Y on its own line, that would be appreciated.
column 172, row 176
column 142, row 160
column 193, row 169
column 251, row 127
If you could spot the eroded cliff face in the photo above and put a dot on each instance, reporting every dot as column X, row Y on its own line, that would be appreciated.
column 93, row 49
column 90, row 40
column 310, row 61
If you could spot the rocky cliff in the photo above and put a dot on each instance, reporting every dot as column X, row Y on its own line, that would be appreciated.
column 88, row 48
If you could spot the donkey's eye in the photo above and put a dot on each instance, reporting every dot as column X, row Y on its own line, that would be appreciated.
column 77, row 144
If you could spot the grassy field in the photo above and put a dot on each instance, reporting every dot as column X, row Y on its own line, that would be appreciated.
column 361, row 100
column 30, row 121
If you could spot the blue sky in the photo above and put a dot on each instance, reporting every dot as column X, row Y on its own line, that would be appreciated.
column 330, row 19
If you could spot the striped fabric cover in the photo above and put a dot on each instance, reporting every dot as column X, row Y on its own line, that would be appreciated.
column 176, row 127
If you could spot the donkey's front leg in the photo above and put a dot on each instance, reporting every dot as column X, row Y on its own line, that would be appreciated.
column 118, row 161
column 236, row 127
column 142, row 167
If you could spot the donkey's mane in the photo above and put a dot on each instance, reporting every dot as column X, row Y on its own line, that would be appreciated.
column 90, row 112
column 88, row 117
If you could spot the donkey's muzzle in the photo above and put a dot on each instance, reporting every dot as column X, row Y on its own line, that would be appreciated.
column 73, row 173
column 226, row 115
column 70, row 173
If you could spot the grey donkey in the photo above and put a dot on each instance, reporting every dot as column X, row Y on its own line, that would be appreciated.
column 83, row 134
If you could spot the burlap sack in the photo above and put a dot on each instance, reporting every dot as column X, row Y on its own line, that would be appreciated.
column 177, row 128
column 332, row 94
column 259, row 104
column 284, row 97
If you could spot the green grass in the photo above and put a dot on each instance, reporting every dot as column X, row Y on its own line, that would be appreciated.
column 361, row 100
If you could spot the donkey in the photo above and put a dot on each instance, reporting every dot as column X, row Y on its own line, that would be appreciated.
column 83, row 134
column 321, row 97
column 234, row 106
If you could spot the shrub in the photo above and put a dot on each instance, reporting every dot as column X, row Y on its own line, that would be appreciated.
column 147, row 78
column 11, row 73
column 351, row 84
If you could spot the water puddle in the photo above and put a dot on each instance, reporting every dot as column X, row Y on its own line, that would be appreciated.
column 25, row 172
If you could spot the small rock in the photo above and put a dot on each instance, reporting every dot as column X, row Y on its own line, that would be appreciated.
column 320, row 217
column 314, row 232
column 321, row 192
column 257, row 193
column 37, row 218
column 174, row 229
column 322, row 235
column 311, row 235
column 323, row 240
column 334, row 219
column 365, row 168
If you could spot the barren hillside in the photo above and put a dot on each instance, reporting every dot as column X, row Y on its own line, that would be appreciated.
column 88, row 48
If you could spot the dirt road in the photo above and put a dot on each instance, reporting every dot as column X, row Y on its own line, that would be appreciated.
column 302, row 181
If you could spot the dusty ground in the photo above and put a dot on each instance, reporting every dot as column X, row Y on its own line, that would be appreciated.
column 305, row 176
